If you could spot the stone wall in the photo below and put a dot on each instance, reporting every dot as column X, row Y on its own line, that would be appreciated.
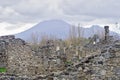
column 3, row 55
column 48, row 62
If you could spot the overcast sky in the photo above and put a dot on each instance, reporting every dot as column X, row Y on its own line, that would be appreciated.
column 18, row 15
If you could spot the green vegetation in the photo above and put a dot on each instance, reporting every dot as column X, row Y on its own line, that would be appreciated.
column 2, row 70
column 68, row 63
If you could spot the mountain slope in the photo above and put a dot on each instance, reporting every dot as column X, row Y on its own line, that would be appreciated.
column 56, row 28
column 59, row 29
column 96, row 29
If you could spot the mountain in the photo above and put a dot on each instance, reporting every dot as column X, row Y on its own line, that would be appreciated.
column 57, row 28
column 60, row 29
column 96, row 29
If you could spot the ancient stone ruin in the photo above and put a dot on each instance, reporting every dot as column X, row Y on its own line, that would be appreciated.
column 106, row 32
column 97, row 60
column 3, row 55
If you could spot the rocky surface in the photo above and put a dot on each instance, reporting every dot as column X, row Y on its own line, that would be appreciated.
column 53, row 61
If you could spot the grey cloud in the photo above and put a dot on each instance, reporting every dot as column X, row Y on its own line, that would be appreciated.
column 11, row 27
column 25, row 11
column 97, row 8
column 8, row 14
column 36, row 9
column 5, row 3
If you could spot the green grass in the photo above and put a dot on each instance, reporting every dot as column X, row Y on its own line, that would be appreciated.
column 68, row 63
column 2, row 70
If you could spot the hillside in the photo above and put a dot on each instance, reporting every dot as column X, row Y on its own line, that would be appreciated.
column 59, row 29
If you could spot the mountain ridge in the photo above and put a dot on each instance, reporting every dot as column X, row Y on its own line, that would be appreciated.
column 59, row 29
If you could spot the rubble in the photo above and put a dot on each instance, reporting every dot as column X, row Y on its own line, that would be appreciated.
column 97, row 60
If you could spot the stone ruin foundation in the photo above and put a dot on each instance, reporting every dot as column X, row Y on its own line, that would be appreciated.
column 48, row 62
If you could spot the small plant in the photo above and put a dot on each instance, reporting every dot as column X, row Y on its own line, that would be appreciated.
column 3, row 70
column 68, row 63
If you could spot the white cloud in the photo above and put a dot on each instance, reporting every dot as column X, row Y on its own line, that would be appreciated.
column 35, row 10
column 98, row 8
column 8, row 28
column 21, row 12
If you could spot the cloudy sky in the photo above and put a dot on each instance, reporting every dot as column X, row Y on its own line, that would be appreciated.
column 19, row 15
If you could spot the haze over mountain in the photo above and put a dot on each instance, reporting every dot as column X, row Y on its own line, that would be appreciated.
column 59, row 29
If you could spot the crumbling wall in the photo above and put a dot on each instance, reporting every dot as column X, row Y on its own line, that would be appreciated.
column 18, row 57
column 3, row 55
column 49, row 61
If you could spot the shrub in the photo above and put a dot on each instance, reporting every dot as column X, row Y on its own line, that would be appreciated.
column 2, row 70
